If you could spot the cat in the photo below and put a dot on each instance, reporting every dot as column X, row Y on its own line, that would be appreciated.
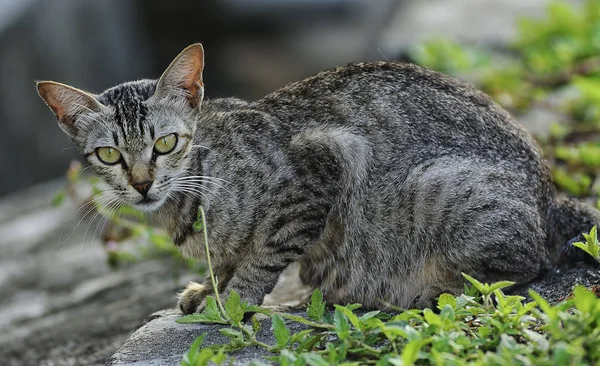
column 385, row 181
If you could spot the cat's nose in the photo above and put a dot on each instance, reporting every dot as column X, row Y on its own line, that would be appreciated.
column 142, row 187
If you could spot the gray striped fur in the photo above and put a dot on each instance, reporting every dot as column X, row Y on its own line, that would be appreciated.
column 383, row 180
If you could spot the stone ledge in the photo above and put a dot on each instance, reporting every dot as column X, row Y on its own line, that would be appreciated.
column 162, row 341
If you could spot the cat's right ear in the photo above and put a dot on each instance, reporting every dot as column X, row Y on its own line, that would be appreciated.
column 183, row 77
column 67, row 103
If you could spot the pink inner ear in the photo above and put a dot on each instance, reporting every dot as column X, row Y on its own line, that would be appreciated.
column 184, row 74
column 47, row 94
column 58, row 109
column 193, row 82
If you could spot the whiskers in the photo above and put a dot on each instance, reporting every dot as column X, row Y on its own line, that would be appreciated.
column 200, row 185
column 103, row 202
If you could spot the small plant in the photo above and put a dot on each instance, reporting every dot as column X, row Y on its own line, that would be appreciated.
column 591, row 245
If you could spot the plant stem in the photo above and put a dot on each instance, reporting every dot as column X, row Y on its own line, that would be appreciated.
column 305, row 321
column 210, row 269
column 255, row 341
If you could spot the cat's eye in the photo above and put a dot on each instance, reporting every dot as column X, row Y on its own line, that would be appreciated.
column 108, row 155
column 165, row 144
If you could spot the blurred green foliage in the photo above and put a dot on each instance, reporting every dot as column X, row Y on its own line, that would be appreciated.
column 554, row 56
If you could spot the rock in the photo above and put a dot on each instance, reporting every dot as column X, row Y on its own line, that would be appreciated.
column 60, row 304
column 162, row 341
column 558, row 283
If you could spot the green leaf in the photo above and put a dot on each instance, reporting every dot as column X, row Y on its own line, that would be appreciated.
column 300, row 337
column 314, row 359
column 584, row 247
column 281, row 332
column 447, row 312
column 543, row 304
column 210, row 314
column 342, row 327
column 234, row 307
column 410, row 353
column 232, row 333
column 370, row 315
column 198, row 226
column 446, row 299
column 220, row 357
column 190, row 356
column 198, row 318
column 286, row 357
column 591, row 246
column 432, row 318
column 204, row 357
column 584, row 299
column 212, row 308
column 500, row 285
column 478, row 285
column 58, row 198
column 577, row 183
column 353, row 307
column 316, row 309
column 255, row 324
column 350, row 315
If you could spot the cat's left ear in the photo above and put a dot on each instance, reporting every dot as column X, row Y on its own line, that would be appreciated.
column 183, row 78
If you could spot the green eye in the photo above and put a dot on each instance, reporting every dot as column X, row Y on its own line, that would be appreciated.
column 165, row 144
column 108, row 155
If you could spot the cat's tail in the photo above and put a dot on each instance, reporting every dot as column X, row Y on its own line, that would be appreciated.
column 568, row 219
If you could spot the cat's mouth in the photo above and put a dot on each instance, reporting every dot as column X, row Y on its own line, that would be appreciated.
column 147, row 200
column 149, row 204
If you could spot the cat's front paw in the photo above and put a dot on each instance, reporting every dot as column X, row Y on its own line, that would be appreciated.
column 193, row 298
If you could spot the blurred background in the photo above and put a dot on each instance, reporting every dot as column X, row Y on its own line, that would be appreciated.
column 252, row 48
column 71, row 292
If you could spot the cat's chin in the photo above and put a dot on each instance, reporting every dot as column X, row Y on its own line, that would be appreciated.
column 148, row 204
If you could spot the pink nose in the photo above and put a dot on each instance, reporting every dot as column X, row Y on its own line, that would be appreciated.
column 142, row 187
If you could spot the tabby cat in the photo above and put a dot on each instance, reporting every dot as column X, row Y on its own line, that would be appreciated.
column 384, row 181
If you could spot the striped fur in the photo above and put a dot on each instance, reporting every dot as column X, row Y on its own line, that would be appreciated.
column 383, row 180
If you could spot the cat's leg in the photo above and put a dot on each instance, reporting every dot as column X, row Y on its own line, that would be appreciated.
column 257, row 274
column 326, row 164
column 506, row 242
column 193, row 296
column 192, row 299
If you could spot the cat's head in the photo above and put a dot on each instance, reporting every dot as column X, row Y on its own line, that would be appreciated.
column 138, row 135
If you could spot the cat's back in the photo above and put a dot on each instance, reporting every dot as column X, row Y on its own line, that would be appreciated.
column 358, row 79
column 407, row 111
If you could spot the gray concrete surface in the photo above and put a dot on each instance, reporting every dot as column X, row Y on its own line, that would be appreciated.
column 162, row 341
column 60, row 304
